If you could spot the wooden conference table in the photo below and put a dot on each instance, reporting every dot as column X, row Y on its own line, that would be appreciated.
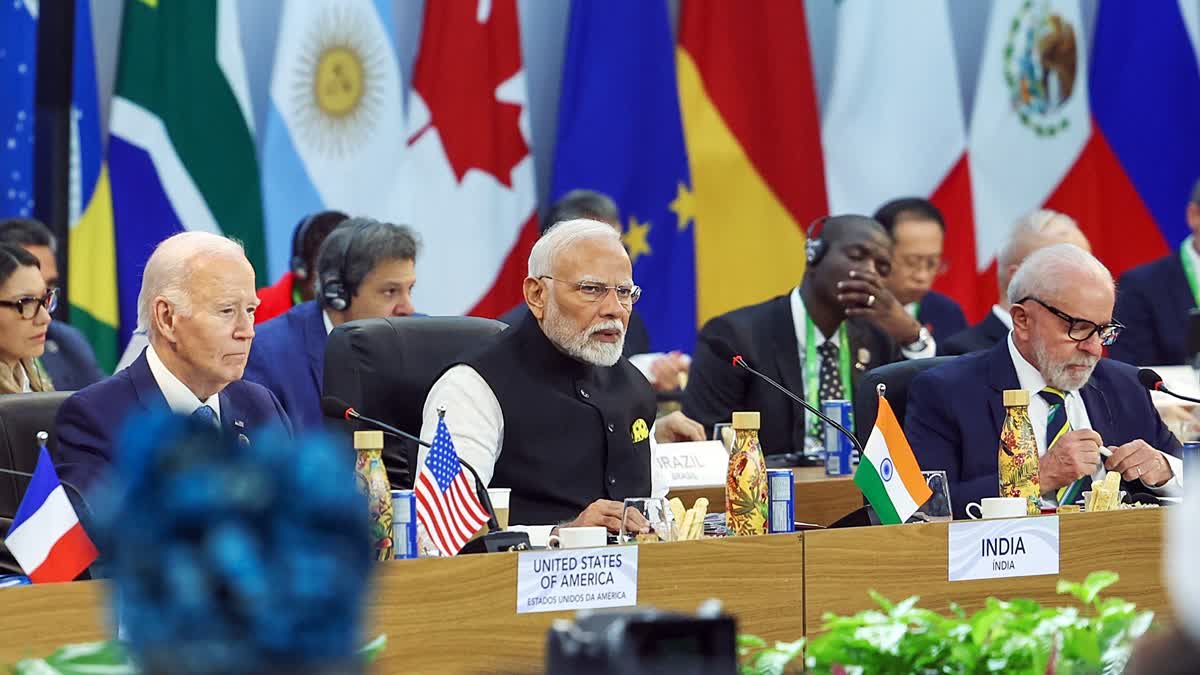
column 459, row 615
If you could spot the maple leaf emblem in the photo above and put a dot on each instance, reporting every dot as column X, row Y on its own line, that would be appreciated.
column 465, row 58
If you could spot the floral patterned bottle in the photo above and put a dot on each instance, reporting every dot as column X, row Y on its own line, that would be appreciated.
column 1018, row 460
column 746, row 483
column 372, row 480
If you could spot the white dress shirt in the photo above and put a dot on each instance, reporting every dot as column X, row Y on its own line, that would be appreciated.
column 328, row 322
column 1039, row 414
column 180, row 399
column 1002, row 314
column 476, row 423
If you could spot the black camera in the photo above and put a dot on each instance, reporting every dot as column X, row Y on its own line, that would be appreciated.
column 644, row 640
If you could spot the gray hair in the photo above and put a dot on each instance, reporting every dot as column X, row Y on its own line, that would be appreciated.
column 1031, row 230
column 357, row 246
column 168, row 271
column 1047, row 272
column 562, row 236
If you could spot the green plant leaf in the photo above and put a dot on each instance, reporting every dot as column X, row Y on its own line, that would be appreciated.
column 880, row 600
column 750, row 641
column 107, row 658
column 370, row 652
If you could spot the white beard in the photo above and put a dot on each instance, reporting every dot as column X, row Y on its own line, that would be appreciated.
column 1056, row 374
column 581, row 346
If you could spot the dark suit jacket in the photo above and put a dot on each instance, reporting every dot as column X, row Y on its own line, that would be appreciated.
column 90, row 421
column 1153, row 302
column 637, row 340
column 955, row 412
column 288, row 357
column 982, row 335
column 941, row 315
column 766, row 335
column 69, row 358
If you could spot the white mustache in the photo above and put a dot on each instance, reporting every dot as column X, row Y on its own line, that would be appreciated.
column 611, row 324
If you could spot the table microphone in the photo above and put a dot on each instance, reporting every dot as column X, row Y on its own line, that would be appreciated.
column 332, row 406
column 725, row 351
column 1152, row 381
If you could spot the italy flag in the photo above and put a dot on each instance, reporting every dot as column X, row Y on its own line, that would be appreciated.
column 888, row 474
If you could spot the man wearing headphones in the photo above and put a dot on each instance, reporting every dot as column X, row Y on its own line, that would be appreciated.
column 817, row 340
column 364, row 269
column 297, row 284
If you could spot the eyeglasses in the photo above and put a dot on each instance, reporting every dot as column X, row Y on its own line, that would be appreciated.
column 1082, row 329
column 27, row 306
column 593, row 291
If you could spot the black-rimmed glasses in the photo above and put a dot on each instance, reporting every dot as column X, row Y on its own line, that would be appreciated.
column 27, row 306
column 594, row 291
column 1081, row 329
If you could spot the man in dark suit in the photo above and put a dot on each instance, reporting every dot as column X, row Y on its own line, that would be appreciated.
column 1154, row 299
column 68, row 358
column 918, row 234
column 840, row 322
column 1036, row 230
column 365, row 269
column 1062, row 303
column 197, row 305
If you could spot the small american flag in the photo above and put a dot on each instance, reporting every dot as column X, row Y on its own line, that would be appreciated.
column 447, row 506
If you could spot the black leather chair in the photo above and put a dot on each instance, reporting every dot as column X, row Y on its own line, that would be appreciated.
column 896, row 377
column 21, row 417
column 385, row 368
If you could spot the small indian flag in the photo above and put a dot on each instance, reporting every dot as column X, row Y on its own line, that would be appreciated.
column 888, row 474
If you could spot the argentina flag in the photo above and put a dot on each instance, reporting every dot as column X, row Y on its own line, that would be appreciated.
column 335, row 128
column 620, row 133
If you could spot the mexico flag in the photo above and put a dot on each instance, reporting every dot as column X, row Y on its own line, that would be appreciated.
column 888, row 474
column 468, row 183
column 894, row 72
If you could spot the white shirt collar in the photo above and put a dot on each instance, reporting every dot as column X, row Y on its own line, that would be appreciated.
column 328, row 322
column 799, row 314
column 1003, row 315
column 180, row 399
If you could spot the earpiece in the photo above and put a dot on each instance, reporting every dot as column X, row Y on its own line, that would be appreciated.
column 815, row 246
column 298, row 264
column 335, row 292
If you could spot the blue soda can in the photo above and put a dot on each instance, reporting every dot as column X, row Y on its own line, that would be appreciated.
column 1191, row 461
column 781, row 488
column 404, row 524
column 839, row 452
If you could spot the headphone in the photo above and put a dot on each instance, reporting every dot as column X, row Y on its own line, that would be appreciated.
column 299, row 265
column 336, row 294
column 815, row 246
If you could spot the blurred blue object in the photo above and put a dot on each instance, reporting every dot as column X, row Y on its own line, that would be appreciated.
column 228, row 558
column 13, row 580
column 18, row 77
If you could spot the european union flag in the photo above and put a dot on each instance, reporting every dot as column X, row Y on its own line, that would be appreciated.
column 620, row 132
column 18, row 60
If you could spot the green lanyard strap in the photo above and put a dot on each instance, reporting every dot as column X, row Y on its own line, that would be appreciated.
column 812, row 365
column 1188, row 270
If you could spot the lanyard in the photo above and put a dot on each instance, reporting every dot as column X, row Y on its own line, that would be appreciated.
column 914, row 308
column 1188, row 270
column 812, row 366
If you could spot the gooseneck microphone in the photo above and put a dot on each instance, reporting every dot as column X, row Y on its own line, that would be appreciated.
column 1152, row 381
column 723, row 350
column 332, row 406
column 66, row 484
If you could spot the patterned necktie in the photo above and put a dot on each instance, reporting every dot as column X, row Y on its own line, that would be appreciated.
column 1057, row 425
column 206, row 415
column 829, row 384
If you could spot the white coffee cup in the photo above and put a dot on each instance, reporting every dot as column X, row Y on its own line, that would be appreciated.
column 999, row 507
column 499, row 498
column 580, row 537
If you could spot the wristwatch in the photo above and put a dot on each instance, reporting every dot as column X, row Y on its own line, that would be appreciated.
column 922, row 341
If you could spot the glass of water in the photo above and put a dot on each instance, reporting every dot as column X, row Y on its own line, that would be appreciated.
column 656, row 512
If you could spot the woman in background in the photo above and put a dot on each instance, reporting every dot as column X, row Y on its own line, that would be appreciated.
column 25, row 306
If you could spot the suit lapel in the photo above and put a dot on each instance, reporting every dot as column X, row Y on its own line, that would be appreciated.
column 1178, row 287
column 149, row 395
column 233, row 422
column 1099, row 414
column 1002, row 375
column 787, row 361
column 315, row 339
column 864, row 354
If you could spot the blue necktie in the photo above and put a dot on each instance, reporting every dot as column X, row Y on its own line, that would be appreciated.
column 206, row 415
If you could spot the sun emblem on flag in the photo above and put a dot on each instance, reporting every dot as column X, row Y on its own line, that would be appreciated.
column 336, row 86
column 1041, row 61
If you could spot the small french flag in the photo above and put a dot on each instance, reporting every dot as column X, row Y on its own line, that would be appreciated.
column 46, row 537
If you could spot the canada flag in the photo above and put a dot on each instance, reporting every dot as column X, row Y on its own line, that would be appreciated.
column 469, row 185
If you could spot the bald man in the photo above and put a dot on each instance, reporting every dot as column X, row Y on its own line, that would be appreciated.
column 841, row 313
column 1032, row 232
